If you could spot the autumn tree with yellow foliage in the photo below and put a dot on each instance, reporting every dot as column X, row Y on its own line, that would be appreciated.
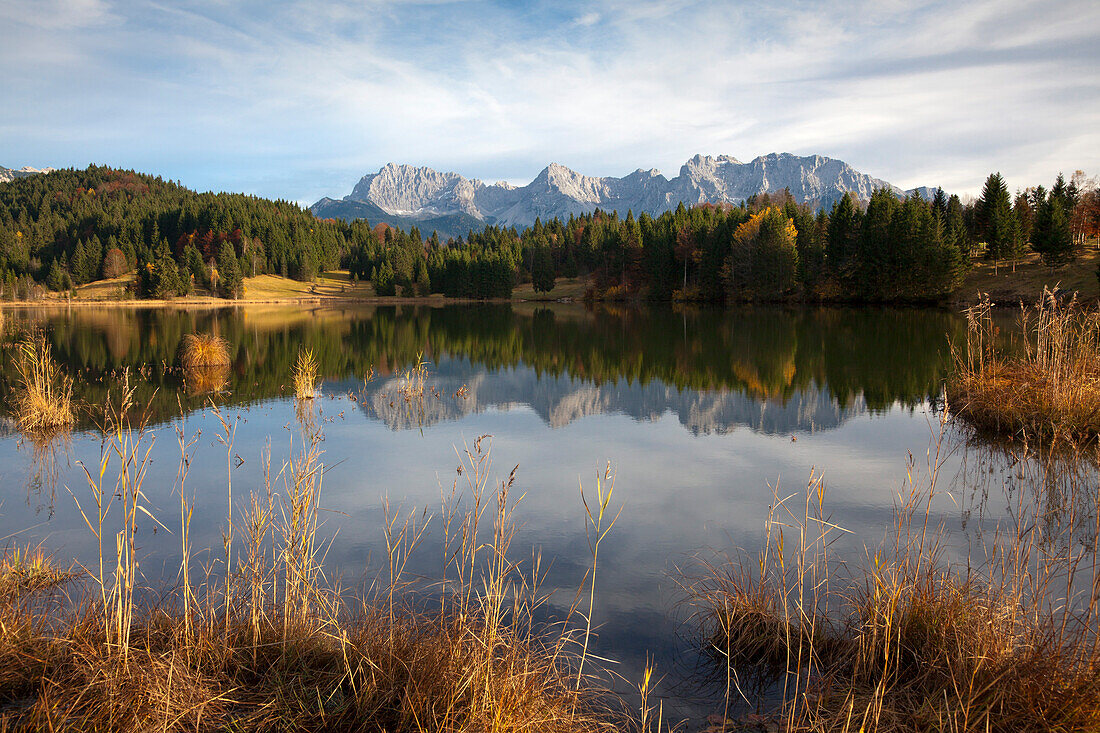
column 763, row 259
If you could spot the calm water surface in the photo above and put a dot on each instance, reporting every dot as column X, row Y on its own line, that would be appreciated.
column 700, row 413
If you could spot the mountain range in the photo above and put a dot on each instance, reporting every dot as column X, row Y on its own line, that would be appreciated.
column 10, row 174
column 404, row 195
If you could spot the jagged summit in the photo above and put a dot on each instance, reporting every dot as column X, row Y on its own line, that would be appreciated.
column 421, row 193
column 10, row 174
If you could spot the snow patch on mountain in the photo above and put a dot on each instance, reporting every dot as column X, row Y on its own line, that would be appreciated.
column 10, row 174
column 422, row 193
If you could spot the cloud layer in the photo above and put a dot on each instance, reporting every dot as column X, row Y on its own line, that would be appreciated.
column 296, row 99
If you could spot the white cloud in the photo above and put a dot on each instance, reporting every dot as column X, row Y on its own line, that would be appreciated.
column 298, row 100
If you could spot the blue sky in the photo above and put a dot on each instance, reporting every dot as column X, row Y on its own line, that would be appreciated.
column 297, row 100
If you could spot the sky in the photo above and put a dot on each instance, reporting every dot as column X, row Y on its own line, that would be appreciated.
column 299, row 99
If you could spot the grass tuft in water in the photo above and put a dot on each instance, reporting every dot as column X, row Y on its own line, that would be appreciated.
column 1049, row 392
column 44, row 394
column 305, row 375
column 910, row 641
column 203, row 350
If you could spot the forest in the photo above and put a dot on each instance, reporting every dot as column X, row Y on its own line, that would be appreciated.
column 70, row 227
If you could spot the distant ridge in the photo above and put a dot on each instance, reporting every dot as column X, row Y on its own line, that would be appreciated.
column 10, row 174
column 405, row 195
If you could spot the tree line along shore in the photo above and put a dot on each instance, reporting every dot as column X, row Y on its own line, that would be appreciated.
column 147, row 238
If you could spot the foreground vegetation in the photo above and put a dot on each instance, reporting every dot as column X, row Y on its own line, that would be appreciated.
column 1048, row 390
column 1004, row 640
column 273, row 644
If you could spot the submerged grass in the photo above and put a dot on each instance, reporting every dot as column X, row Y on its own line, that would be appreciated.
column 274, row 644
column 911, row 642
column 1049, row 392
column 44, row 394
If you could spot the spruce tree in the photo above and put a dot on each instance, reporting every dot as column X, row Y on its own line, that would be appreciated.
column 996, row 220
column 844, row 223
column 230, row 283
column 54, row 278
column 1051, row 236
column 542, row 269
column 79, row 264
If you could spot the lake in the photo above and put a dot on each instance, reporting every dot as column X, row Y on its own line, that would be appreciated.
column 702, row 414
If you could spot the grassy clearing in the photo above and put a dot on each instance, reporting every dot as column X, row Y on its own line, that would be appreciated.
column 198, row 350
column 909, row 642
column 119, row 288
column 1031, row 277
column 1049, row 392
column 571, row 288
column 44, row 394
column 273, row 644
column 329, row 285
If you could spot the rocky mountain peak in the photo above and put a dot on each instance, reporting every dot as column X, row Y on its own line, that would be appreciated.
column 10, row 174
column 420, row 194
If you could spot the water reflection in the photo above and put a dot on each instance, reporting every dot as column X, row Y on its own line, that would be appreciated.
column 695, row 408
column 769, row 369
column 50, row 454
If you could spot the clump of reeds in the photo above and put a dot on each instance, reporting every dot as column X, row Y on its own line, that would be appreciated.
column 305, row 375
column 44, row 393
column 911, row 642
column 1048, row 391
column 27, row 569
column 273, row 645
column 413, row 380
column 203, row 350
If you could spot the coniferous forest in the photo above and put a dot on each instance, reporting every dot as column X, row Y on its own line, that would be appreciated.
column 70, row 227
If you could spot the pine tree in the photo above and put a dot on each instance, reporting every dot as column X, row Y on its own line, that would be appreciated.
column 230, row 282
column 1051, row 236
column 194, row 267
column 840, row 249
column 54, row 278
column 383, row 280
column 996, row 220
column 422, row 285
column 542, row 269
column 79, row 264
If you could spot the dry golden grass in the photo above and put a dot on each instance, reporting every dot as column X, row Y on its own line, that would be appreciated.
column 570, row 288
column 28, row 569
column 305, row 375
column 197, row 350
column 113, row 289
column 44, row 394
column 329, row 285
column 1049, row 392
column 274, row 646
column 910, row 642
column 1031, row 277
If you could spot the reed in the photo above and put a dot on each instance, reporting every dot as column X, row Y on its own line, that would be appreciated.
column 44, row 393
column 29, row 569
column 305, row 375
column 1048, row 391
column 910, row 641
column 201, row 350
column 274, row 644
